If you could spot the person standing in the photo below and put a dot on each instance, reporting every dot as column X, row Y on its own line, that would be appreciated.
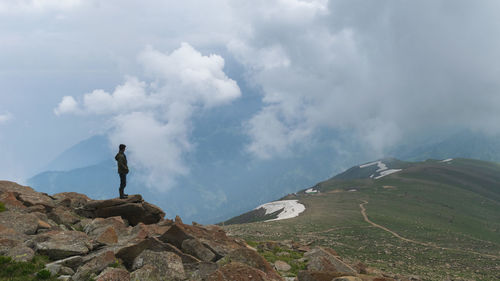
column 121, row 160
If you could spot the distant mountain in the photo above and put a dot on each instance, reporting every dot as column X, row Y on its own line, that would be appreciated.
column 89, row 152
column 427, row 218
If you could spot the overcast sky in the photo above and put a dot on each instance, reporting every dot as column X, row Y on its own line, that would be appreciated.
column 140, row 71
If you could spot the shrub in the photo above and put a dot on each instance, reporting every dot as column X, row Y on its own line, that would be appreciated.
column 2, row 207
column 43, row 274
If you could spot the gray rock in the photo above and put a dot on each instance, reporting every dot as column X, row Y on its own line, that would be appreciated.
column 71, row 262
column 129, row 252
column 322, row 260
column 19, row 222
column 166, row 264
column 66, row 271
column 197, row 249
column 94, row 266
column 53, row 268
column 63, row 215
column 62, row 244
column 21, row 253
column 199, row 271
column 114, row 274
column 72, row 200
column 282, row 266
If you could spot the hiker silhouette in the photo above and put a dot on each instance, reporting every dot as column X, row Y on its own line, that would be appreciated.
column 121, row 161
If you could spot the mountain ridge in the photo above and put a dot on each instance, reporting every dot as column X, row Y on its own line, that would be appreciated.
column 444, row 211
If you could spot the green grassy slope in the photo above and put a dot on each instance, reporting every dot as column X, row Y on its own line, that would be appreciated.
column 451, row 209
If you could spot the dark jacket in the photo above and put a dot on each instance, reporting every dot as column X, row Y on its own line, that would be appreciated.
column 121, row 160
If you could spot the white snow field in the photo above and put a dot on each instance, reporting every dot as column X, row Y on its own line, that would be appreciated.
column 311, row 190
column 291, row 209
column 382, row 169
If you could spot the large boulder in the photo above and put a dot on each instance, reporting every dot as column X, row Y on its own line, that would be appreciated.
column 19, row 222
column 199, row 271
column 166, row 265
column 62, row 244
column 324, row 260
column 94, row 266
column 212, row 237
column 197, row 249
column 134, row 209
column 239, row 271
column 106, row 230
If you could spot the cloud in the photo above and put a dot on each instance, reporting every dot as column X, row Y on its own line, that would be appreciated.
column 386, row 72
column 68, row 104
column 5, row 117
column 154, row 118
column 37, row 6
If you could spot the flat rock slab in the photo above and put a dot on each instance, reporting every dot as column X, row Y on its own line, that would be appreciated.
column 19, row 222
column 62, row 244
column 134, row 209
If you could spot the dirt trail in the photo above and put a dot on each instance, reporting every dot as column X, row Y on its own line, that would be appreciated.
column 365, row 216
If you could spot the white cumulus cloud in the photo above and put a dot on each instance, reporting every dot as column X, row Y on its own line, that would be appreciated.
column 68, row 104
column 153, row 118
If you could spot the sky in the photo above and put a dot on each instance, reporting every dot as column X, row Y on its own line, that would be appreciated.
column 144, row 72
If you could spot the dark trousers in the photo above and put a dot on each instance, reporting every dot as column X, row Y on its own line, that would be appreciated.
column 123, row 183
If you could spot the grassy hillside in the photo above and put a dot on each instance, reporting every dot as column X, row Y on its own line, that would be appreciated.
column 447, row 216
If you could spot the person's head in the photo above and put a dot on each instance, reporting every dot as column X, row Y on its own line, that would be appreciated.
column 122, row 147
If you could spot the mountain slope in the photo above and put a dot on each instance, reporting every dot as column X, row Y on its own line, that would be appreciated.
column 432, row 218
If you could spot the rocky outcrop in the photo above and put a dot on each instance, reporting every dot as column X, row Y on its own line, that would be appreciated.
column 133, row 209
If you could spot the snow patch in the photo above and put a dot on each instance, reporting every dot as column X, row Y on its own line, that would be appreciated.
column 383, row 170
column 369, row 164
column 291, row 209
column 387, row 172
column 311, row 190
column 446, row 160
